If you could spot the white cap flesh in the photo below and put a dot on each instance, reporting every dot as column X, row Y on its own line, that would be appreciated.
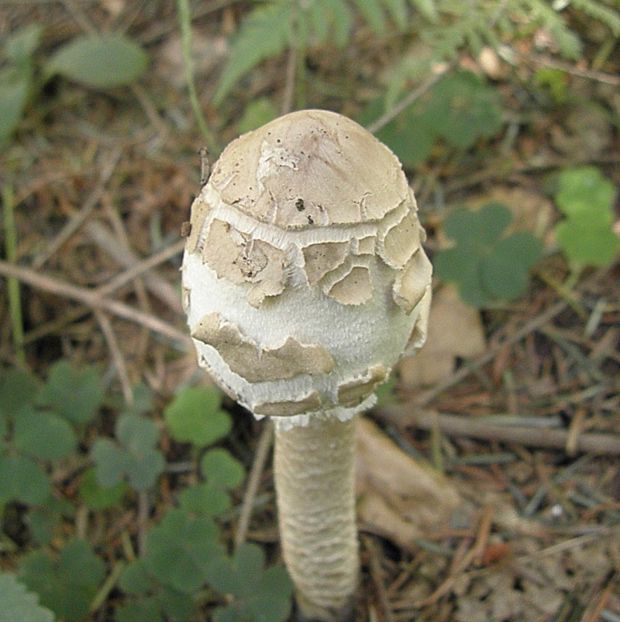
column 304, row 276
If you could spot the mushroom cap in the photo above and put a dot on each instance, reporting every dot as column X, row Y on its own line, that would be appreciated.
column 310, row 168
column 304, row 278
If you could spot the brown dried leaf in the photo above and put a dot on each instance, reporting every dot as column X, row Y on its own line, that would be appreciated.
column 454, row 330
column 400, row 498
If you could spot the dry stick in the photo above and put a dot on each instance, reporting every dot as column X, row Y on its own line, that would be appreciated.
column 80, row 217
column 140, row 267
column 589, row 74
column 459, row 425
column 93, row 300
column 117, row 355
column 101, row 235
column 376, row 573
column 546, row 316
column 260, row 458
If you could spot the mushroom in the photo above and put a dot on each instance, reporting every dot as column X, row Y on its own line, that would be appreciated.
column 304, row 281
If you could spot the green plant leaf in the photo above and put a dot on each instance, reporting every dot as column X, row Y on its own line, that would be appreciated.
column 486, row 265
column 44, row 519
column 463, row 109
column 23, row 480
column 584, row 190
column 586, row 198
column 264, row 33
column 194, row 416
column 18, row 604
column 14, row 89
column 68, row 584
column 17, row 389
column 143, row 610
column 179, row 550
column 586, row 242
column 205, row 500
column 222, row 469
column 22, row 44
column 372, row 11
column 260, row 594
column 460, row 109
column 147, row 593
column 133, row 457
column 74, row 393
column 257, row 113
column 111, row 462
column 43, row 434
column 100, row 61
column 135, row 578
column 98, row 497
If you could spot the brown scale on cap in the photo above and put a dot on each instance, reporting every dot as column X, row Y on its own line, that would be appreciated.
column 255, row 364
column 272, row 172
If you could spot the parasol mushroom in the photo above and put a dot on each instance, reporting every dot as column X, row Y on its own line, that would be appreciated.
column 304, row 281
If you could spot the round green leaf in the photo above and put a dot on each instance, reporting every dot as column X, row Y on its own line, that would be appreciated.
column 23, row 480
column 43, row 434
column 135, row 579
column 179, row 550
column 585, row 243
column 144, row 610
column 68, row 584
column 100, row 61
column 19, row 604
column 75, row 393
column 98, row 497
column 220, row 468
column 17, row 389
column 584, row 190
column 205, row 500
column 194, row 416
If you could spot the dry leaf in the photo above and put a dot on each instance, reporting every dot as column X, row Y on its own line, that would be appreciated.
column 454, row 331
column 399, row 498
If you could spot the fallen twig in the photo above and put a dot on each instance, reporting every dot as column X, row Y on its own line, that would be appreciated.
column 260, row 458
column 95, row 301
column 458, row 425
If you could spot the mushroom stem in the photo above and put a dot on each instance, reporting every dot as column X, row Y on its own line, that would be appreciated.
column 314, row 476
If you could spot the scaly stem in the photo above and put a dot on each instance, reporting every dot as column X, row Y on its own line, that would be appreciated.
column 314, row 475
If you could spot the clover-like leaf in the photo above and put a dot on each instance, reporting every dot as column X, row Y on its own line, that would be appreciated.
column 459, row 110
column 147, row 594
column 486, row 265
column 586, row 197
column 67, row 584
column 179, row 550
column 17, row 389
column 584, row 190
column 74, row 393
column 260, row 594
column 100, row 61
column 98, row 497
column 221, row 468
column 465, row 109
column 43, row 520
column 43, row 434
column 205, row 499
column 19, row 604
column 133, row 457
column 195, row 416
column 21, row 479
